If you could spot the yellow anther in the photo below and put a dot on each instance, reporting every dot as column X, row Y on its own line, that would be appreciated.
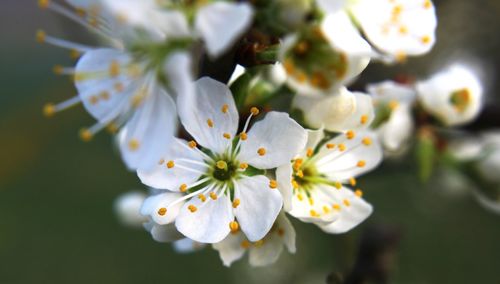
column 401, row 56
column 352, row 181
column 311, row 201
column 366, row 141
column 243, row 136
column 213, row 195
column 58, row 69
column 273, row 184
column 361, row 163
column 192, row 144
column 300, row 173
column 347, row 202
column 281, row 232
column 310, row 152
column 234, row 226
column 289, row 66
column 183, row 187
column 78, row 77
column 161, row 161
column 330, row 146
column 225, row 108
column 104, row 95
column 397, row 10
column 338, row 185
column 93, row 100
column 236, row 203
column 261, row 151
column 40, row 36
column 119, row 87
column 403, row 30
column 255, row 111
column 427, row 4
column 49, row 110
column 359, row 193
column 202, row 197
column 243, row 166
column 114, row 68
column 300, row 197
column 350, row 134
column 302, row 47
column 226, row 135
column 393, row 104
column 313, row 213
column 245, row 244
column 326, row 209
column 295, row 184
column 43, row 4
column 162, row 211
column 133, row 144
column 74, row 54
column 221, row 165
column 85, row 135
column 297, row 164
column 192, row 208
column 170, row 164
column 364, row 119
column 259, row 243
column 210, row 123
column 112, row 128
column 336, row 207
column 425, row 39
column 342, row 147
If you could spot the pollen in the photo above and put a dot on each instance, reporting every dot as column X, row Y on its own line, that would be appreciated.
column 361, row 163
column 300, row 173
column 300, row 197
column 202, row 197
column 352, row 181
column 425, row 39
column 336, row 207
column 221, row 165
column 273, row 184
column 350, row 134
column 311, row 201
column 112, row 128
column 259, row 243
column 93, row 100
column 427, row 4
column 366, row 141
column 255, row 111
column 338, row 185
column 359, row 193
column 226, row 135
column 245, row 244
column 393, row 105
column 297, row 164
column 162, row 211
column 347, row 202
column 310, row 152
column 161, row 161
column 364, row 119
column 192, row 208
column 403, row 30
column 225, row 108
column 236, row 203
column 213, row 195
column 326, row 209
column 43, row 4
column 133, row 144
column 85, row 135
column 261, row 151
column 114, row 68
column 243, row 166
column 74, row 54
column 295, row 184
column 313, row 213
column 234, row 226
column 104, row 95
column 330, row 146
column 281, row 232
column 342, row 147
column 40, row 36
column 192, row 144
column 210, row 123
column 170, row 164
column 49, row 110
column 183, row 187
column 243, row 136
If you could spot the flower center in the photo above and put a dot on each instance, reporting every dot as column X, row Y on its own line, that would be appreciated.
column 460, row 99
column 224, row 170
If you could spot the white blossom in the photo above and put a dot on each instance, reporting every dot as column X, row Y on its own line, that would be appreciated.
column 127, row 208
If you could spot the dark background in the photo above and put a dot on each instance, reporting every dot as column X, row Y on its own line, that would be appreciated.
column 56, row 193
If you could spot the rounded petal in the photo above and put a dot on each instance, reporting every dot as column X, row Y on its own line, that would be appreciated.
column 163, row 177
column 230, row 249
column 209, row 114
column 161, row 207
column 259, row 207
column 343, row 35
column 187, row 246
column 286, row 231
column 284, row 179
column 127, row 207
column 266, row 253
column 398, row 129
column 273, row 141
column 221, row 23
column 164, row 233
column 148, row 134
column 179, row 75
column 209, row 222
column 387, row 91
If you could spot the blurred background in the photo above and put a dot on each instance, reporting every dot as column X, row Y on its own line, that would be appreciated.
column 56, row 192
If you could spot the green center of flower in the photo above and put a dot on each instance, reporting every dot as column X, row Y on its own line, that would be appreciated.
column 224, row 170
column 460, row 99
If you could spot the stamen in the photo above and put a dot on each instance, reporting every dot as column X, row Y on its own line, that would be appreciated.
column 192, row 208
column 361, row 163
column 273, row 184
column 170, row 164
column 255, row 111
column 226, row 135
column 225, row 108
column 310, row 152
column 338, row 185
column 236, row 203
column 364, row 119
column 114, row 68
column 352, row 181
column 243, row 136
column 162, row 211
column 221, row 165
column 295, row 184
column 259, row 243
column 326, row 209
column 161, row 161
column 300, row 173
column 192, row 144
column 210, row 123
column 245, row 244
column 313, row 213
column 311, row 201
column 359, row 193
column 202, row 197
column 347, row 202
column 85, row 135
column 350, row 134
column 342, row 147
column 336, row 207
column 281, row 232
column 261, row 151
column 243, row 166
column 133, row 145
column 213, row 195
column 366, row 141
column 330, row 146
column 183, row 187
column 50, row 109
column 234, row 226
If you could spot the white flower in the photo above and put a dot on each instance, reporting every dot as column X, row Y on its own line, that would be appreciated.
column 187, row 246
column 340, row 111
column 127, row 208
column 313, row 184
column 222, row 181
column 397, row 28
column 320, row 59
column 393, row 103
column 263, row 252
column 454, row 96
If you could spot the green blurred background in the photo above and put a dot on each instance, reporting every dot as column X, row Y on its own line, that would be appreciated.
column 56, row 193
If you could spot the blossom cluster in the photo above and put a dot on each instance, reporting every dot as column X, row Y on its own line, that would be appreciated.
column 224, row 169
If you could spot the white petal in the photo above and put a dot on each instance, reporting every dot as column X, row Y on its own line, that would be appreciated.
column 284, row 179
column 195, row 110
column 230, row 249
column 398, row 129
column 266, row 253
column 259, row 207
column 280, row 136
column 221, row 23
column 387, row 91
column 127, row 208
column 153, row 204
column 97, row 88
column 209, row 223
column 162, row 177
column 187, row 246
column 148, row 134
column 343, row 35
column 315, row 208
column 341, row 165
column 165, row 233
column 331, row 6
column 285, row 226
column 178, row 69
